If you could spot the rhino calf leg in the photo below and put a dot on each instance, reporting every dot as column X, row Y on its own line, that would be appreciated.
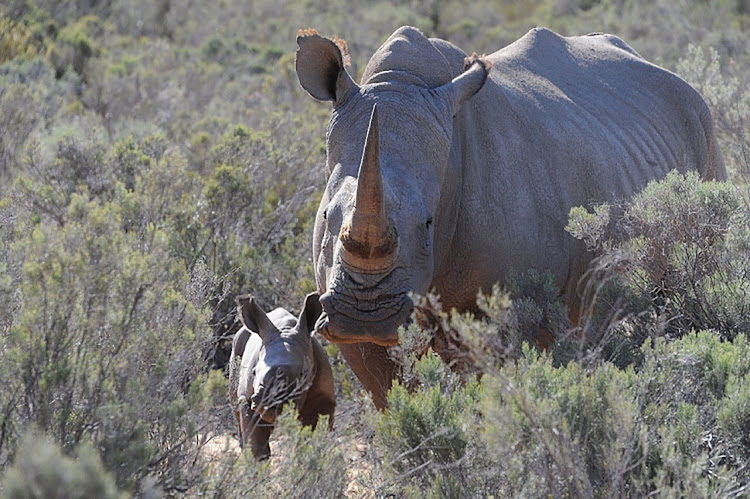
column 259, row 441
column 254, row 429
column 310, row 418
column 330, row 420
column 238, row 418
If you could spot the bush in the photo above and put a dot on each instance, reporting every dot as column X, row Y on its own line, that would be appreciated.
column 559, row 431
column 109, row 362
column 682, row 388
column 570, row 431
column 674, row 426
column 17, row 40
column 426, row 436
column 77, row 44
column 305, row 463
column 681, row 262
column 157, row 160
column 41, row 471
column 728, row 96
column 530, row 310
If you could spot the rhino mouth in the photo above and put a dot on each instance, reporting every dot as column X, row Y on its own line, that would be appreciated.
column 361, row 307
column 379, row 325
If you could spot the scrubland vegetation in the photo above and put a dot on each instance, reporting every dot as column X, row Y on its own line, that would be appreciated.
column 159, row 157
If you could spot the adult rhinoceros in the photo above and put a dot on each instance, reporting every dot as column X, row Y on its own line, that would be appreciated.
column 447, row 176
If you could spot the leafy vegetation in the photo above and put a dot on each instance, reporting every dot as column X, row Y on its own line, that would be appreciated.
column 158, row 158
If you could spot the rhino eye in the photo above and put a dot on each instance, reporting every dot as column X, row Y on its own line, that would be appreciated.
column 428, row 224
column 325, row 214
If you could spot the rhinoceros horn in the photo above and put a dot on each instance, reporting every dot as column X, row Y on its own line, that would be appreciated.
column 369, row 236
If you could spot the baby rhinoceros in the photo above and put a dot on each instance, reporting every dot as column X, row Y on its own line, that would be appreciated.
column 281, row 362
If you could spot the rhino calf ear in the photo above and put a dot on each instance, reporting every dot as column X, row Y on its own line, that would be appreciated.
column 320, row 64
column 253, row 317
column 310, row 313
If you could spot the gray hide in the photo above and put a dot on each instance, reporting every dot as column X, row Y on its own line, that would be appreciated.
column 462, row 177
column 279, row 362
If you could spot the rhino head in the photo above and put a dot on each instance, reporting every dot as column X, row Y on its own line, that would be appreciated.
column 380, row 224
column 285, row 367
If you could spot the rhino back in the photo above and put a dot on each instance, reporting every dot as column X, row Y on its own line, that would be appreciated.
column 282, row 318
column 561, row 122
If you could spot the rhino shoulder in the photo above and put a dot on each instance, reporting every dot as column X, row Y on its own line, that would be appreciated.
column 321, row 397
column 324, row 375
column 543, row 47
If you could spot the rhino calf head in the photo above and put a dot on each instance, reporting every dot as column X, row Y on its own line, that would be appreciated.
column 280, row 362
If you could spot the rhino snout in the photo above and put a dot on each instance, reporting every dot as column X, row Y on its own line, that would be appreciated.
column 279, row 387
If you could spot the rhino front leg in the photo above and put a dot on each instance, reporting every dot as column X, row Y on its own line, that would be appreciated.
column 309, row 416
column 254, row 429
column 238, row 418
column 373, row 367
column 330, row 419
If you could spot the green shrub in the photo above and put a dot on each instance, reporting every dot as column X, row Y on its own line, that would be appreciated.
column 132, row 209
column 17, row 40
column 530, row 310
column 41, row 470
column 571, row 431
column 306, row 463
column 727, row 94
column 682, row 257
column 683, row 387
column 77, row 44
column 559, row 431
column 104, row 345
column 426, row 435
column 29, row 98
column 734, row 418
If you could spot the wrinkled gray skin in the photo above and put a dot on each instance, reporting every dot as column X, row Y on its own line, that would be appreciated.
column 280, row 362
column 462, row 177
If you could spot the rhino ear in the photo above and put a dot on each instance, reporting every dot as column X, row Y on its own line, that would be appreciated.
column 310, row 313
column 320, row 64
column 253, row 317
column 457, row 91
